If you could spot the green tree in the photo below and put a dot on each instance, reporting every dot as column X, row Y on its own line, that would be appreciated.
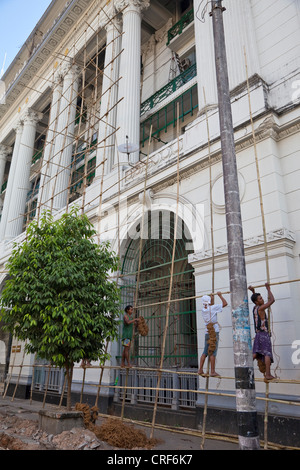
column 59, row 296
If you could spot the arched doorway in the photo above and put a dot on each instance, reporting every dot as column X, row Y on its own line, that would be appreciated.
column 153, row 291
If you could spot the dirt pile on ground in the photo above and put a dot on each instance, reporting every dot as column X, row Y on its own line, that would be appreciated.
column 124, row 436
column 114, row 431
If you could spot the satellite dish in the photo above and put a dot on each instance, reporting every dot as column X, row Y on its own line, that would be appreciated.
column 128, row 147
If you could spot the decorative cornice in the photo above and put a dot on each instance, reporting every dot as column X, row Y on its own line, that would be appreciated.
column 32, row 117
column 52, row 38
column 273, row 236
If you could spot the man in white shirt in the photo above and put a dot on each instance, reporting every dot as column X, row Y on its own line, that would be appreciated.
column 209, row 313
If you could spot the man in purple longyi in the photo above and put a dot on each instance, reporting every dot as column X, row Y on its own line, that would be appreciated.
column 262, row 347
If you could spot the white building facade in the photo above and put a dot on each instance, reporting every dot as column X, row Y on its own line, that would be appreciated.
column 103, row 75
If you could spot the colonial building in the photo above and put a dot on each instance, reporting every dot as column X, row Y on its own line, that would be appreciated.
column 104, row 103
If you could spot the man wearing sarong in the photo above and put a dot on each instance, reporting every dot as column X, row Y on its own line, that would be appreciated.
column 127, row 333
column 262, row 347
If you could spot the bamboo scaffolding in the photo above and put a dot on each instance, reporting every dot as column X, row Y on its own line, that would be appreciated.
column 264, row 234
column 84, row 68
column 213, row 264
column 171, row 284
column 208, row 435
column 157, row 369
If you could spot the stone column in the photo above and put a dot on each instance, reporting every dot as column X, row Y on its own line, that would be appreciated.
column 47, row 167
column 21, row 183
column 109, row 96
column 62, row 158
column 4, row 152
column 240, row 35
column 205, row 58
column 239, row 32
column 130, row 72
column 10, row 183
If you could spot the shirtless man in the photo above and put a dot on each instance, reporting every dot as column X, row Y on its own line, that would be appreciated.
column 262, row 347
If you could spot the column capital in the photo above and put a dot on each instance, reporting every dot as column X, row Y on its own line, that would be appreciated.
column 18, row 128
column 69, row 70
column 32, row 117
column 4, row 151
column 57, row 79
column 111, row 23
column 132, row 4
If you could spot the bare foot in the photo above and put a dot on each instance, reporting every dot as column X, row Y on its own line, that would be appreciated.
column 200, row 372
column 269, row 377
column 214, row 374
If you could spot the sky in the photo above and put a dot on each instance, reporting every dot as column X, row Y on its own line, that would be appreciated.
column 17, row 20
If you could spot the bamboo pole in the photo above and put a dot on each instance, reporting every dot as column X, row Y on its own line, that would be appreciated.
column 10, row 375
column 47, row 383
column 32, row 379
column 19, row 375
column 101, row 377
column 213, row 265
column 141, row 240
column 63, row 391
column 171, row 282
column 124, row 393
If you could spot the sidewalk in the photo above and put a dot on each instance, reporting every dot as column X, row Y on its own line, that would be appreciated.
column 167, row 440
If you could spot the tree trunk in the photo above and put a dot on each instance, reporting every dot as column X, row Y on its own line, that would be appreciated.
column 69, row 374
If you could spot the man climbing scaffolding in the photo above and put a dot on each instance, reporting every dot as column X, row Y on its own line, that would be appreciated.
column 262, row 347
column 209, row 313
column 128, row 322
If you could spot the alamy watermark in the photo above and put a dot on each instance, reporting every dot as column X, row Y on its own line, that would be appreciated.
column 155, row 222
column 296, row 353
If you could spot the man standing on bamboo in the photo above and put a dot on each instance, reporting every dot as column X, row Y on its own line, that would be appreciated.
column 127, row 334
column 209, row 313
column 262, row 347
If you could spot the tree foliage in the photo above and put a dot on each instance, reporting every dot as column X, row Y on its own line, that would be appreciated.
column 59, row 296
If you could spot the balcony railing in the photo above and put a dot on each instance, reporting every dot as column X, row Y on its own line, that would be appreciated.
column 177, row 29
column 166, row 116
column 37, row 156
column 4, row 186
column 168, row 89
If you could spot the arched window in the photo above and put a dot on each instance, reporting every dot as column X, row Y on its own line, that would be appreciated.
column 153, row 291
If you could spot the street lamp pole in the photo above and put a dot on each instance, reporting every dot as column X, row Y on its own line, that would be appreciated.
column 243, row 360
